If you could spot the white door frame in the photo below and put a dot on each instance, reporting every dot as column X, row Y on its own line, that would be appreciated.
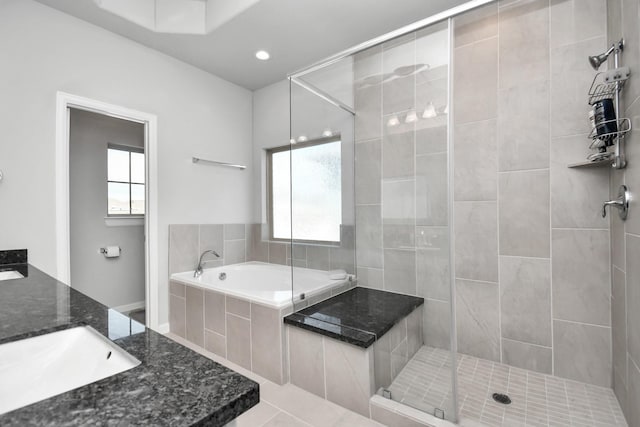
column 64, row 101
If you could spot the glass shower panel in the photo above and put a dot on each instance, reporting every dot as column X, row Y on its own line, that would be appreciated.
column 373, row 187
column 322, row 205
column 402, row 209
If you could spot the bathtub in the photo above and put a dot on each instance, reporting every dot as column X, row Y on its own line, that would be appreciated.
column 263, row 283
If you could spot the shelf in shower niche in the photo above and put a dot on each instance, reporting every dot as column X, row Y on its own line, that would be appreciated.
column 591, row 164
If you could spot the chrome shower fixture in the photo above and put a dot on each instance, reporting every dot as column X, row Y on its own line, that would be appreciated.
column 597, row 60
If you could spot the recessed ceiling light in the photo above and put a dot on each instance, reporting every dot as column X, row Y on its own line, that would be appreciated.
column 262, row 55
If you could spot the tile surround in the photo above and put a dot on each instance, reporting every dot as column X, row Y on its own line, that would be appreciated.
column 247, row 334
column 515, row 129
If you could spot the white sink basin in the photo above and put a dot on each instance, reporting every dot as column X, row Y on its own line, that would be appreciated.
column 37, row 368
column 11, row 274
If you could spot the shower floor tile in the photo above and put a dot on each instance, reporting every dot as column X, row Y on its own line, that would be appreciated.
column 536, row 399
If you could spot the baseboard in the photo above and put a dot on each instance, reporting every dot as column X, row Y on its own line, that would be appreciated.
column 129, row 307
column 163, row 329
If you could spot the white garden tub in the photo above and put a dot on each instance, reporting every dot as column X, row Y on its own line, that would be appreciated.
column 262, row 283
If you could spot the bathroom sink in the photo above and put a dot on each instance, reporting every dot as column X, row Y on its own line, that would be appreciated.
column 11, row 274
column 40, row 367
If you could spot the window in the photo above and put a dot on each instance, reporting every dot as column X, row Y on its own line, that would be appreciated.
column 125, row 180
column 316, row 187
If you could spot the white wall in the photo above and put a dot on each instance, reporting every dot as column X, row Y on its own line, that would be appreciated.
column 112, row 281
column 44, row 51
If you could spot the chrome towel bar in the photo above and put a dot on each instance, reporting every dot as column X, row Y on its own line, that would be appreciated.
column 213, row 162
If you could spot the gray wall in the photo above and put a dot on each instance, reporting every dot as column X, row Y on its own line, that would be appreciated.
column 625, row 236
column 198, row 114
column 531, row 251
column 112, row 281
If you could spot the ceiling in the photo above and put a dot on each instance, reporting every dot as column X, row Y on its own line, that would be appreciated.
column 295, row 32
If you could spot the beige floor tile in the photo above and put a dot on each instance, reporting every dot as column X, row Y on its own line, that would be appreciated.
column 257, row 416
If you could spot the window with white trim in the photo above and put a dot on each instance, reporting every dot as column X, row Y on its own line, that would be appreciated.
column 316, row 191
column 125, row 180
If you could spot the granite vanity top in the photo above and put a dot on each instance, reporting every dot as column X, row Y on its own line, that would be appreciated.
column 172, row 386
column 15, row 259
column 357, row 316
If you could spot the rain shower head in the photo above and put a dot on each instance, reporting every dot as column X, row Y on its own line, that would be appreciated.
column 597, row 60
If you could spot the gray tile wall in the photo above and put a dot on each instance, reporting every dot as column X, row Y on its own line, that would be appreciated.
column 245, row 333
column 623, row 18
column 237, row 243
column 531, row 251
column 402, row 242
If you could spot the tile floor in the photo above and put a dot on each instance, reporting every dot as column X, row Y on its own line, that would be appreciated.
column 287, row 405
column 537, row 399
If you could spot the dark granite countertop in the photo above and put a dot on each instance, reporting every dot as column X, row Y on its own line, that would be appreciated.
column 172, row 386
column 358, row 316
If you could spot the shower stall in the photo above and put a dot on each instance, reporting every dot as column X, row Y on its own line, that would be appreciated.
column 432, row 162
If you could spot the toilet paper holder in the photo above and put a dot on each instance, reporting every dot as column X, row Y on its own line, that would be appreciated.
column 103, row 251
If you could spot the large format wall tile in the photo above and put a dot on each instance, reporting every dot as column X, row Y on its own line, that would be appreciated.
column 633, row 296
column 478, row 24
column 369, row 236
column 306, row 360
column 525, row 286
column 575, row 20
column 368, row 172
column 582, row 352
column 475, row 161
column 214, row 312
column 431, row 190
column 619, row 324
column 398, row 94
column 527, row 356
column 212, row 237
column 437, row 323
column 239, row 341
column 400, row 271
column 631, row 55
column 432, row 263
column 633, row 412
column 348, row 381
column 368, row 104
column 195, row 315
column 570, row 79
column 580, row 274
column 266, row 329
column 524, row 42
column 576, row 194
column 398, row 148
column 476, row 81
column 476, row 241
column 524, row 144
column 234, row 251
column 177, row 316
column 524, row 213
column 632, row 172
column 183, row 247
column 399, row 203
column 477, row 319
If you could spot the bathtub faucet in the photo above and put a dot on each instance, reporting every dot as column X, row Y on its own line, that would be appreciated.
column 198, row 271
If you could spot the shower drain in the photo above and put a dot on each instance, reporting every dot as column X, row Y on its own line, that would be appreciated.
column 501, row 398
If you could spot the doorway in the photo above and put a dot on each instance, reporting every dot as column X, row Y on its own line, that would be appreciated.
column 107, row 210
column 96, row 270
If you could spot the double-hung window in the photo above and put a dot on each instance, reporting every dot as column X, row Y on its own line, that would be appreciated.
column 309, row 176
column 125, row 180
